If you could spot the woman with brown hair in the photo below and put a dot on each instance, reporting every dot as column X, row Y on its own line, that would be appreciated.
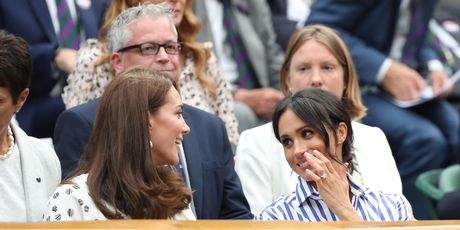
column 126, row 169
column 201, row 84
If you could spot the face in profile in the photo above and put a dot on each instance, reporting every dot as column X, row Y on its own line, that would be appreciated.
column 158, row 30
column 167, row 128
column 314, row 66
column 7, row 107
column 298, row 137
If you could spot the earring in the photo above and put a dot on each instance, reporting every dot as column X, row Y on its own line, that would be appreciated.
column 151, row 144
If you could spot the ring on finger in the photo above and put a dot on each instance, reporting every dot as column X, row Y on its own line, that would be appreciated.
column 324, row 176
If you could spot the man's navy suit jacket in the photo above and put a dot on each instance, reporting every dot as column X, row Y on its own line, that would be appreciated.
column 217, row 189
column 368, row 28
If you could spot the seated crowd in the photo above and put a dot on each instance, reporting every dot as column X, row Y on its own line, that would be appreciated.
column 157, row 103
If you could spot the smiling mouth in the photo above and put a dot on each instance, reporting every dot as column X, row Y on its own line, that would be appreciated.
column 178, row 141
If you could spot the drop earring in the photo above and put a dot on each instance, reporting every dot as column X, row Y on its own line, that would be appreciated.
column 151, row 144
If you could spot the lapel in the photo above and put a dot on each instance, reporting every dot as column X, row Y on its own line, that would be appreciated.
column 41, row 12
column 193, row 157
column 32, row 175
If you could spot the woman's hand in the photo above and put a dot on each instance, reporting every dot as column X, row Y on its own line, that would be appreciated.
column 332, row 184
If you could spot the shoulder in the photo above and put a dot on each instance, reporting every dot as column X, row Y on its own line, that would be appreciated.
column 72, row 202
column 278, row 209
column 85, row 110
column 38, row 148
column 391, row 206
column 197, row 115
column 368, row 132
column 265, row 129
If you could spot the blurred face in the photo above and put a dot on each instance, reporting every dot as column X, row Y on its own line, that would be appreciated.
column 8, row 108
column 178, row 6
column 297, row 137
column 314, row 66
column 157, row 30
column 167, row 129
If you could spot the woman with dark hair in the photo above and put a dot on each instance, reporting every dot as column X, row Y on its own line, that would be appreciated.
column 315, row 130
column 316, row 57
column 29, row 168
column 200, row 82
column 126, row 170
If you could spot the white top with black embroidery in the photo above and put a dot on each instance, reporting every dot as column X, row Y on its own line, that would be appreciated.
column 72, row 202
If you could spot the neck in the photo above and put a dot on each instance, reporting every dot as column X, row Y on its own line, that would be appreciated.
column 4, row 141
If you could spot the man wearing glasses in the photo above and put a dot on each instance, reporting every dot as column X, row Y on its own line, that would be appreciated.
column 145, row 35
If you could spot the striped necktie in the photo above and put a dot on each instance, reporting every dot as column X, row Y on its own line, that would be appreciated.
column 69, row 29
column 246, row 77
column 417, row 31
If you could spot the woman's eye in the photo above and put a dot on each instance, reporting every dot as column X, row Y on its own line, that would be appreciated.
column 306, row 133
column 180, row 113
column 329, row 67
column 286, row 142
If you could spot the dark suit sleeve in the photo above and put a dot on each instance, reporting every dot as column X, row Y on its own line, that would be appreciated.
column 344, row 15
column 234, row 203
column 71, row 134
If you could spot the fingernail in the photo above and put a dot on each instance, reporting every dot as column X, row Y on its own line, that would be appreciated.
column 307, row 155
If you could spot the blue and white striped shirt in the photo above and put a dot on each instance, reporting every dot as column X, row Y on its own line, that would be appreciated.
column 305, row 204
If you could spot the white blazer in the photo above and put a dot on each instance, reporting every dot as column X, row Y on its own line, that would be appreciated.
column 41, row 172
column 266, row 175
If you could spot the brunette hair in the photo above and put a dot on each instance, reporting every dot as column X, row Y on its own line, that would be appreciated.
column 322, row 111
column 329, row 38
column 118, row 159
column 188, row 29
column 15, row 64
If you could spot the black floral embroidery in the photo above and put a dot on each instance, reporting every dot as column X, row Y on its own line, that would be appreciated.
column 86, row 208
column 57, row 217
column 70, row 212
column 68, row 191
column 54, row 208
column 80, row 202
column 56, row 195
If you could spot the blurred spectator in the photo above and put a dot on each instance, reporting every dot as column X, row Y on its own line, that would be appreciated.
column 287, row 17
column 248, row 55
column 53, row 30
column 387, row 40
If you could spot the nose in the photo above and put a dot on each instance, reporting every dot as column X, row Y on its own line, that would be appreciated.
column 162, row 56
column 185, row 129
column 299, row 150
column 316, row 79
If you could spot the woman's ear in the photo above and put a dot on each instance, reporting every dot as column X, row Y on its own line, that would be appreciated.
column 22, row 99
column 342, row 133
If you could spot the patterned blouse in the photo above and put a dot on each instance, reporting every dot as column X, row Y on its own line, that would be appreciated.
column 306, row 204
column 86, row 83
column 72, row 202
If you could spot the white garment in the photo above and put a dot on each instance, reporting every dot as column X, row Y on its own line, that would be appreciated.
column 12, row 199
column 72, row 202
column 265, row 174
column 41, row 174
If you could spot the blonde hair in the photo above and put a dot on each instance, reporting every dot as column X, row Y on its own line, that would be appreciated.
column 329, row 38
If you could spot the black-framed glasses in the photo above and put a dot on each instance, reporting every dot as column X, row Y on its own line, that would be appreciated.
column 152, row 48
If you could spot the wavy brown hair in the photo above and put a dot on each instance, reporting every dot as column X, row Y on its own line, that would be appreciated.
column 118, row 159
column 188, row 29
column 329, row 38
